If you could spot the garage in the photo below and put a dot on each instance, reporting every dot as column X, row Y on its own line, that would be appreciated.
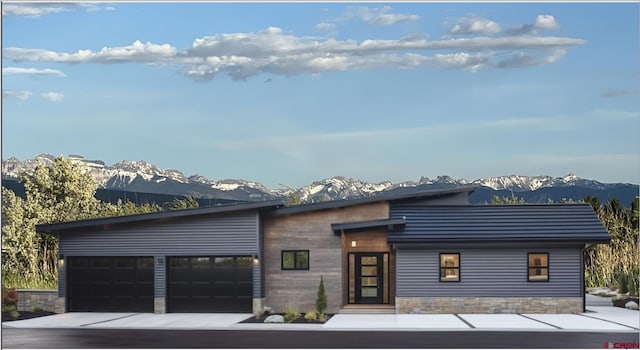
column 110, row 284
column 210, row 284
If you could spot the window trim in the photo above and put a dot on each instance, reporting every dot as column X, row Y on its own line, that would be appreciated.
column 295, row 260
column 538, row 267
column 440, row 267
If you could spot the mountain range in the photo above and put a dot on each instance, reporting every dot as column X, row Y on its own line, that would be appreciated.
column 141, row 177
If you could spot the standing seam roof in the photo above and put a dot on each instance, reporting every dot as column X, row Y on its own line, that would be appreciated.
column 547, row 222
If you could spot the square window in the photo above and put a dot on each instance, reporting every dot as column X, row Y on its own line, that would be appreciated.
column 295, row 260
column 449, row 267
column 538, row 267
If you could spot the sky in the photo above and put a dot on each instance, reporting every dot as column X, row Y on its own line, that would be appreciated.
column 290, row 93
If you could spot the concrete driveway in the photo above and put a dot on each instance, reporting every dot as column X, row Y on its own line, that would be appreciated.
column 601, row 318
column 601, row 315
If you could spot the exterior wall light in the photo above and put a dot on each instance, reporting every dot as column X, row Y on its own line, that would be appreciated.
column 61, row 260
column 353, row 244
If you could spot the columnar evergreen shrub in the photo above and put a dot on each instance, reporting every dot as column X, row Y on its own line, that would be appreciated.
column 321, row 300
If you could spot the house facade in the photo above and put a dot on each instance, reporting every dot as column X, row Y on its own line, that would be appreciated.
column 414, row 252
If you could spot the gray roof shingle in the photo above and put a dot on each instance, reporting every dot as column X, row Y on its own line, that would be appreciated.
column 499, row 223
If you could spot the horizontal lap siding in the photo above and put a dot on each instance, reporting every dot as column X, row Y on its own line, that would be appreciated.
column 227, row 235
column 487, row 273
column 230, row 234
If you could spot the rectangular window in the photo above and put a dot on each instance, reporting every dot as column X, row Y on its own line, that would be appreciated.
column 449, row 267
column 295, row 260
column 538, row 267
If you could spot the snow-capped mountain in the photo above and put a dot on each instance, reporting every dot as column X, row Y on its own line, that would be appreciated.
column 141, row 176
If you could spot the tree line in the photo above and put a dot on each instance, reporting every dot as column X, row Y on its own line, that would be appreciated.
column 64, row 191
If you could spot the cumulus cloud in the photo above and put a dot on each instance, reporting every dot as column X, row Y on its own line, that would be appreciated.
column 32, row 71
column 20, row 95
column 37, row 10
column 52, row 96
column 378, row 16
column 466, row 26
column 242, row 55
column 543, row 22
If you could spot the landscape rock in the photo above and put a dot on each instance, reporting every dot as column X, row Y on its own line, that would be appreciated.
column 631, row 305
column 274, row 319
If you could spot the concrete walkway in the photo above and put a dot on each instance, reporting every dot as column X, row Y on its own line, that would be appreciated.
column 597, row 318
column 602, row 319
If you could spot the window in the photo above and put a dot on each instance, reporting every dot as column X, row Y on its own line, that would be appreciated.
column 449, row 267
column 538, row 266
column 295, row 260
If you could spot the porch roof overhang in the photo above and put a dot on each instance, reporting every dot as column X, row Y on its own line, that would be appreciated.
column 390, row 224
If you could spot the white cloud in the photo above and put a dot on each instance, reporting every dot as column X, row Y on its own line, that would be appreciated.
column 546, row 22
column 467, row 26
column 37, row 10
column 137, row 52
column 378, row 16
column 32, row 71
column 242, row 55
column 543, row 22
column 20, row 95
column 52, row 96
column 324, row 26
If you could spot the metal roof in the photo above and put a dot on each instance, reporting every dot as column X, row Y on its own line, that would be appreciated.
column 499, row 223
column 303, row 208
column 391, row 224
column 62, row 226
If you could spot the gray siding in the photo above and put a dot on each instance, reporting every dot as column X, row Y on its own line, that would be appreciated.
column 487, row 273
column 222, row 234
column 160, row 277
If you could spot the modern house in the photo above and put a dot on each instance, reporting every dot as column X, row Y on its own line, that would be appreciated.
column 414, row 252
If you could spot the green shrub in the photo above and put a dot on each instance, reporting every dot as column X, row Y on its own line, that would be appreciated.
column 291, row 312
column 321, row 300
column 9, row 308
column 311, row 316
column 14, row 314
column 36, row 308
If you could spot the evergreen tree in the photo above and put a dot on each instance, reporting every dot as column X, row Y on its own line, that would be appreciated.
column 321, row 300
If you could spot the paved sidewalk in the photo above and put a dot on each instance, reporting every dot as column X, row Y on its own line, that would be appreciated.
column 598, row 318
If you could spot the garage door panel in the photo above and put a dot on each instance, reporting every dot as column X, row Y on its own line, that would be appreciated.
column 126, row 275
column 210, row 284
column 110, row 284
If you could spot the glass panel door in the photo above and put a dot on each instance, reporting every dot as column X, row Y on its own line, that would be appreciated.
column 368, row 278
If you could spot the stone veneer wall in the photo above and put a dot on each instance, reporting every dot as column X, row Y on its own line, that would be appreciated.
column 44, row 299
column 470, row 305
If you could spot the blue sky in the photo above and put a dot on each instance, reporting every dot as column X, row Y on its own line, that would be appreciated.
column 290, row 93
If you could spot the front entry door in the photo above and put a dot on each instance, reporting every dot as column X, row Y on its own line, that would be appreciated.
column 369, row 278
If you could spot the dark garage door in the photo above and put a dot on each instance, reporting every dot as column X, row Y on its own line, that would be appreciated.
column 114, row 284
column 210, row 284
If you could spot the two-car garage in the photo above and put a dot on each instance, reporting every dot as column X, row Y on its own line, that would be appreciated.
column 193, row 260
column 194, row 284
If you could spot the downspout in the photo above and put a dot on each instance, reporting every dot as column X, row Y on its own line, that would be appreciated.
column 583, row 287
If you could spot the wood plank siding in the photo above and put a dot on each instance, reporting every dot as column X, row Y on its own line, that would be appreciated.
column 311, row 231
